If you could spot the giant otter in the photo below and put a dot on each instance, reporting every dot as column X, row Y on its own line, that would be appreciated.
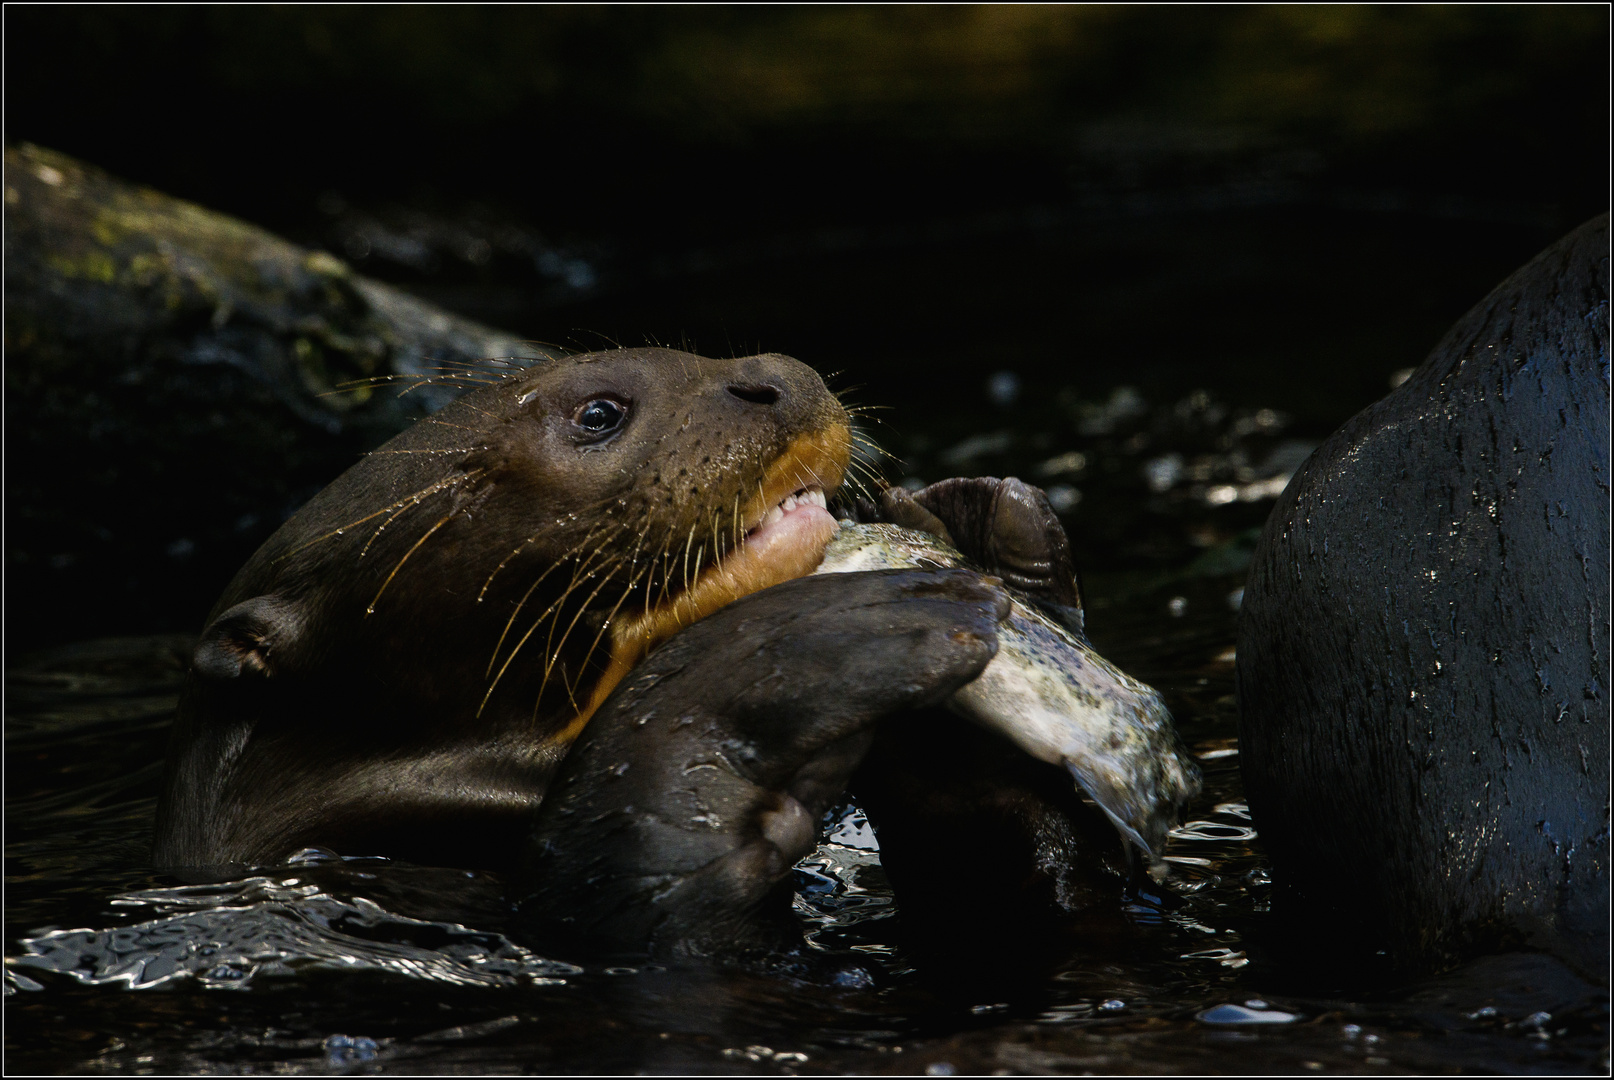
column 404, row 662
column 1423, row 650
column 403, row 666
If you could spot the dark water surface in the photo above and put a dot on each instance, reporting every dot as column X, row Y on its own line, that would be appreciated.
column 366, row 965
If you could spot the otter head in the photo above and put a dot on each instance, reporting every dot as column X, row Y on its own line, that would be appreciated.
column 515, row 554
column 670, row 484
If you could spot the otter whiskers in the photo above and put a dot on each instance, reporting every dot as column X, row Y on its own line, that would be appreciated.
column 408, row 500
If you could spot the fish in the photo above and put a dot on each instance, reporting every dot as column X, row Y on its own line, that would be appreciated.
column 1051, row 694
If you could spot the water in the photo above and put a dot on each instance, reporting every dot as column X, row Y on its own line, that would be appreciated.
column 364, row 965
column 1154, row 329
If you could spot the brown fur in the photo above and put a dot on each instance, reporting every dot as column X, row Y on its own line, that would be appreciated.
column 401, row 666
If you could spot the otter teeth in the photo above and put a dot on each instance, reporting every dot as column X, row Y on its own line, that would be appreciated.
column 802, row 497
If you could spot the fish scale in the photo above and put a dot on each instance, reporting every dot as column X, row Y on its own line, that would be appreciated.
column 1052, row 695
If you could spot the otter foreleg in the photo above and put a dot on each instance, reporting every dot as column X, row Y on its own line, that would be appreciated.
column 678, row 814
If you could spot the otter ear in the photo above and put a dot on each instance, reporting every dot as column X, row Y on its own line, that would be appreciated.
column 253, row 638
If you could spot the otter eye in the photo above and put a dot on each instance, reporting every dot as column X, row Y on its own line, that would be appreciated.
column 600, row 416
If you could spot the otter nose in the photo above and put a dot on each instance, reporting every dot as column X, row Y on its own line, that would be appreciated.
column 756, row 393
column 776, row 386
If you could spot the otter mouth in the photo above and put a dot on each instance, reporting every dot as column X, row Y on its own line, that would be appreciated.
column 780, row 534
column 787, row 541
column 783, row 537
column 798, row 507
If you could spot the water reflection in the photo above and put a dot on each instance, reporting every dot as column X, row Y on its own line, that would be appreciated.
column 226, row 935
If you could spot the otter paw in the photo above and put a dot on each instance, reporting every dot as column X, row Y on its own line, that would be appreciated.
column 700, row 781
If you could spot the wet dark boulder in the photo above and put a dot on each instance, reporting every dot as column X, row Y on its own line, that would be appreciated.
column 1423, row 649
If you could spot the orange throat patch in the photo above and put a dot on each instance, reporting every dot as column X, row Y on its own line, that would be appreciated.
column 787, row 528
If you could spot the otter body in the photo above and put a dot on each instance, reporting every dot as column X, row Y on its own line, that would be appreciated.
column 404, row 663
column 1423, row 652
column 439, row 659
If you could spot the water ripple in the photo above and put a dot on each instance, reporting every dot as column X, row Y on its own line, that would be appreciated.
column 225, row 935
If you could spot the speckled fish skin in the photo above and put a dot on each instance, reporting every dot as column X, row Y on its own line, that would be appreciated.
column 1054, row 697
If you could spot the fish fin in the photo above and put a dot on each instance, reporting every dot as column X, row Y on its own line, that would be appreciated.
column 1122, row 809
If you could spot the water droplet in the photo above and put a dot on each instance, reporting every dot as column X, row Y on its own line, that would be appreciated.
column 1239, row 1014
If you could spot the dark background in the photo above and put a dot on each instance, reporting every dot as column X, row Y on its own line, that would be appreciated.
column 1278, row 205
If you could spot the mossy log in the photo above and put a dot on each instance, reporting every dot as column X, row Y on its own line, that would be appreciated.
column 177, row 383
